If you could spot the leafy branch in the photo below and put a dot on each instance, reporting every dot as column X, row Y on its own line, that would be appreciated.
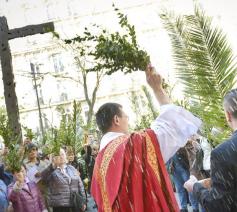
column 111, row 52
column 15, row 152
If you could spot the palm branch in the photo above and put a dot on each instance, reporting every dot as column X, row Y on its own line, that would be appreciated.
column 67, row 134
column 204, row 63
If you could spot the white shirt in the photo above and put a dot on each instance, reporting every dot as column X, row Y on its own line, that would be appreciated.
column 206, row 148
column 172, row 127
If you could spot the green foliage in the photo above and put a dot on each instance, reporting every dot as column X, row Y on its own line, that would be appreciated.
column 67, row 130
column 99, row 51
column 205, row 65
column 29, row 133
column 56, row 142
column 51, row 144
column 5, row 129
column 14, row 158
column 67, row 134
column 111, row 52
column 71, row 132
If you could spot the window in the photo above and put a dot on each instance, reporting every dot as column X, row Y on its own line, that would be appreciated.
column 63, row 97
column 57, row 63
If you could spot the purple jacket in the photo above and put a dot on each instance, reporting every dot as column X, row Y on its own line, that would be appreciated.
column 26, row 200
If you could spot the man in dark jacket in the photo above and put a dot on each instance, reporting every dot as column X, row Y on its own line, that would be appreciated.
column 221, row 193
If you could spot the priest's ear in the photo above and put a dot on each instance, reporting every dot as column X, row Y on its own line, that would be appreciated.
column 116, row 120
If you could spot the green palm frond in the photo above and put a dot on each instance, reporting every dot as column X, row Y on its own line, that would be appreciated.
column 68, row 130
column 204, row 63
column 211, row 57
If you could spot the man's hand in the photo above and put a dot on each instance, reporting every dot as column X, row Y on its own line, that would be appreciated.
column 153, row 78
column 155, row 81
column 206, row 183
column 190, row 183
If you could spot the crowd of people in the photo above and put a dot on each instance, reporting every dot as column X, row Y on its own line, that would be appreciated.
column 57, row 183
column 136, row 171
column 192, row 159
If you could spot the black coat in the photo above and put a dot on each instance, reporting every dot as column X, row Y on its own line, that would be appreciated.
column 222, row 196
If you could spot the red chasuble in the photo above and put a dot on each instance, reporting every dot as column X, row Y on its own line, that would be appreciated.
column 130, row 175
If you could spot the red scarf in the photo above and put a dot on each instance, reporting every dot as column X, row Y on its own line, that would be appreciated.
column 130, row 175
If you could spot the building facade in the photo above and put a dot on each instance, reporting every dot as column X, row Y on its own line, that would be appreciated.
column 44, row 54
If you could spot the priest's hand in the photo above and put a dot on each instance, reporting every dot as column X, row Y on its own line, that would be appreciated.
column 153, row 78
column 190, row 183
column 155, row 81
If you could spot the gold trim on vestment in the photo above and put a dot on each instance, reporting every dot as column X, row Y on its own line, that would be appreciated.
column 101, row 170
column 152, row 160
column 151, row 156
column 107, row 156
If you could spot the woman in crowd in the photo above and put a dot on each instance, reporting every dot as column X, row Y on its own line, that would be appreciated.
column 24, row 195
column 66, row 191
column 72, row 159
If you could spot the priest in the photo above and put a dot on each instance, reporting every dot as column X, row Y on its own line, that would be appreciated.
column 129, row 172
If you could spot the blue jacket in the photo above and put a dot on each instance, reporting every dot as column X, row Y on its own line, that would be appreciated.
column 3, row 196
column 6, row 177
